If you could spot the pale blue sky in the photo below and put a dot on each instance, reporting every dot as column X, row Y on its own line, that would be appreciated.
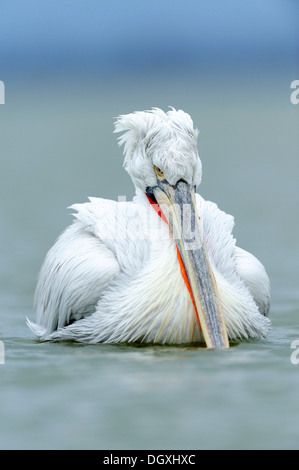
column 119, row 33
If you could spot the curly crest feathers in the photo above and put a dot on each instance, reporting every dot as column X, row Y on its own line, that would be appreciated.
column 141, row 126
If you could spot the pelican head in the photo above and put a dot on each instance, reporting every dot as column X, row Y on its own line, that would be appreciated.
column 161, row 157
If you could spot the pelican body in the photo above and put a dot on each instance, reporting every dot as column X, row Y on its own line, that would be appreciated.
column 163, row 268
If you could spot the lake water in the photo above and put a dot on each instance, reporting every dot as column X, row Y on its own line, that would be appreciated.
column 57, row 148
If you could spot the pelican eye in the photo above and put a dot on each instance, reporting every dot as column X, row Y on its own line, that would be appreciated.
column 159, row 172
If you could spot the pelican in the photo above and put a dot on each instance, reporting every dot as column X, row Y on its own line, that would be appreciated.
column 163, row 268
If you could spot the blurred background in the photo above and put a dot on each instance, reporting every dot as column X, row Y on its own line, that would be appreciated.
column 69, row 69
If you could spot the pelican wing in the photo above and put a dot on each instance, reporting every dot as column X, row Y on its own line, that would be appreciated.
column 242, row 281
column 254, row 275
column 77, row 269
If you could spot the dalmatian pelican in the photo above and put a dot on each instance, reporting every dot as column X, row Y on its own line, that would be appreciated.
column 163, row 268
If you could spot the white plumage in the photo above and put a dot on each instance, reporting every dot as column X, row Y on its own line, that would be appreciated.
column 114, row 275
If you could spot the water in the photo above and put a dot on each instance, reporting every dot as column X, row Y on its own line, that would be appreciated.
column 57, row 148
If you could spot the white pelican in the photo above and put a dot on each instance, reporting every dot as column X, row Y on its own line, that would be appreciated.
column 122, row 272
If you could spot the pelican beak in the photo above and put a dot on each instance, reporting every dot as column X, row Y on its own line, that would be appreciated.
column 178, row 205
